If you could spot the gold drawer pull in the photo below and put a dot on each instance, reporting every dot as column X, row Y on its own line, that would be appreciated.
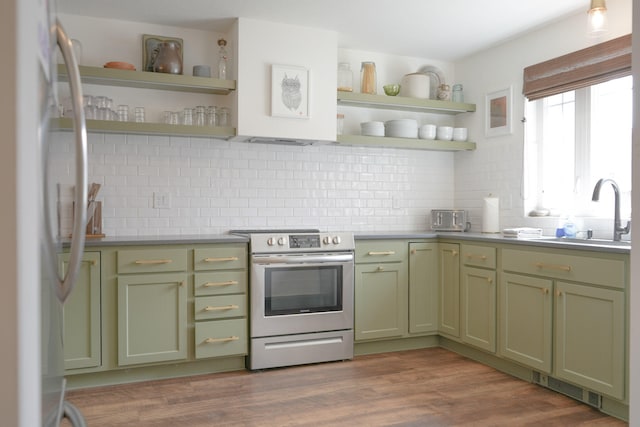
column 380, row 269
column 222, row 307
column 382, row 253
column 545, row 291
column 153, row 261
column 481, row 257
column 541, row 266
column 453, row 251
column 228, row 283
column 489, row 280
column 215, row 340
column 223, row 259
column 413, row 251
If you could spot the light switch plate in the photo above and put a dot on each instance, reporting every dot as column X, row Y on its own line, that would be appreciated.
column 161, row 200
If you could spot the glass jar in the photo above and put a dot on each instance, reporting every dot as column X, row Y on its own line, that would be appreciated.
column 457, row 95
column 444, row 92
column 345, row 77
column 368, row 83
column 200, row 119
column 187, row 116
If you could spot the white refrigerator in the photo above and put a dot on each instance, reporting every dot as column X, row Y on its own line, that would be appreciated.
column 56, row 288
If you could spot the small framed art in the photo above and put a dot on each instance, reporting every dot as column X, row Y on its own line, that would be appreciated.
column 289, row 91
column 498, row 113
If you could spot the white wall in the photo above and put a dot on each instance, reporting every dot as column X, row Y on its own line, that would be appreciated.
column 217, row 185
column 496, row 166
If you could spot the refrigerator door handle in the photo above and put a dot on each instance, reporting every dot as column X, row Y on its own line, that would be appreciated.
column 67, row 283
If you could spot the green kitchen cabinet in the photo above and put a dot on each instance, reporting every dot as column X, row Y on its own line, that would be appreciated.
column 220, row 301
column 563, row 313
column 81, row 314
column 152, row 318
column 152, row 305
column 478, row 307
column 590, row 339
column 449, row 289
column 478, row 296
column 423, row 287
column 526, row 325
column 381, row 284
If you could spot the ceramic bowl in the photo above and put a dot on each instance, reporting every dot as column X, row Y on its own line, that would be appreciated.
column 391, row 90
column 444, row 133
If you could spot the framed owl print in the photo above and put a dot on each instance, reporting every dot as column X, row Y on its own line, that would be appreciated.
column 289, row 91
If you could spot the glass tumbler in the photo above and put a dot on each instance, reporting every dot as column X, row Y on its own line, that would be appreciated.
column 187, row 116
column 200, row 119
column 139, row 114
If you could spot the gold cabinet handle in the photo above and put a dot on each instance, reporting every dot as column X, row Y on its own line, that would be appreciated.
column 373, row 253
column 559, row 293
column 380, row 269
column 543, row 266
column 227, row 283
column 489, row 280
column 227, row 339
column 545, row 291
column 221, row 307
column 153, row 261
column 223, row 259
column 453, row 251
column 413, row 251
column 481, row 257
column 183, row 283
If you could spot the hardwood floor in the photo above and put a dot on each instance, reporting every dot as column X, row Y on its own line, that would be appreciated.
column 429, row 387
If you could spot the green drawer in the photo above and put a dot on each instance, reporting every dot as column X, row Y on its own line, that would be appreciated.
column 479, row 256
column 217, row 338
column 578, row 268
column 372, row 251
column 151, row 260
column 220, row 283
column 220, row 307
column 222, row 257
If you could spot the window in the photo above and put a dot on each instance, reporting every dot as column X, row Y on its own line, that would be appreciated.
column 573, row 139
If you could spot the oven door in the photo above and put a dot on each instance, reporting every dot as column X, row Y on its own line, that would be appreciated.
column 301, row 293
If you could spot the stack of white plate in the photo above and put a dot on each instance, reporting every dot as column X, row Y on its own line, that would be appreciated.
column 402, row 128
column 372, row 128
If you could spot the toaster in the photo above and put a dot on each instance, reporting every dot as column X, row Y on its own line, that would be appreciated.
column 449, row 220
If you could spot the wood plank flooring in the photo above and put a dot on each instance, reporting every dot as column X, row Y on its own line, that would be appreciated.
column 429, row 387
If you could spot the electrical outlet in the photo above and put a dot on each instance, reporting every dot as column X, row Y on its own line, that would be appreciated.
column 161, row 200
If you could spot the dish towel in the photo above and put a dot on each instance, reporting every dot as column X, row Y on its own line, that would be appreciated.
column 523, row 232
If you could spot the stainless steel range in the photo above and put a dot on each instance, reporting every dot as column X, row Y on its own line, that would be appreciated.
column 301, row 296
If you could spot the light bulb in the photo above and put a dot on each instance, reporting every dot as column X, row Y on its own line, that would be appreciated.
column 597, row 18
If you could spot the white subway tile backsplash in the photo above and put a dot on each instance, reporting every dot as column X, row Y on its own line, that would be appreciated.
column 218, row 185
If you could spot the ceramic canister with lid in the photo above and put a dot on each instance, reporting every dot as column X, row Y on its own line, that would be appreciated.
column 415, row 85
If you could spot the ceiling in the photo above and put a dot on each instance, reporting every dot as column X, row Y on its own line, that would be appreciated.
column 436, row 29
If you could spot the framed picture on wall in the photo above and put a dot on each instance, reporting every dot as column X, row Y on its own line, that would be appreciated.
column 289, row 91
column 498, row 113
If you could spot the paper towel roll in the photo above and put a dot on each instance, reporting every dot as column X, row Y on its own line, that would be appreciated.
column 491, row 215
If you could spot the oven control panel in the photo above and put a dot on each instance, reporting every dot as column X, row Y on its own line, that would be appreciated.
column 301, row 242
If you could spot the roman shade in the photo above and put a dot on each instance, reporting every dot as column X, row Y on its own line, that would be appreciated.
column 586, row 67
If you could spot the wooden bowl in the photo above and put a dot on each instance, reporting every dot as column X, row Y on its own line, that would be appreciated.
column 120, row 65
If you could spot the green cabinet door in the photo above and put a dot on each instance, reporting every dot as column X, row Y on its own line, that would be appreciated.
column 423, row 287
column 478, row 301
column 81, row 314
column 526, row 320
column 380, row 300
column 152, row 318
column 589, row 342
column 449, row 289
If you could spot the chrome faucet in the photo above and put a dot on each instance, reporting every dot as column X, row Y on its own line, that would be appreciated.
column 618, row 230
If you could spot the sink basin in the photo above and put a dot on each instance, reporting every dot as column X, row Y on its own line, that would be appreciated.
column 590, row 242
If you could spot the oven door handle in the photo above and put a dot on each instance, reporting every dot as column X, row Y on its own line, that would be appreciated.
column 305, row 259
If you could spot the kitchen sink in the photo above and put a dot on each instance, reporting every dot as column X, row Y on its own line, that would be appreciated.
column 590, row 242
